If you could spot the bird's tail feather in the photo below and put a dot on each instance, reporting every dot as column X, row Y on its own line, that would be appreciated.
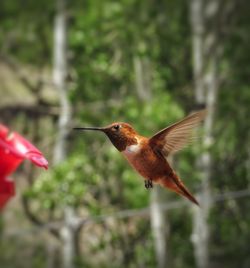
column 174, row 183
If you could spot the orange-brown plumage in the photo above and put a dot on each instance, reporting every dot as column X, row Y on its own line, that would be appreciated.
column 148, row 155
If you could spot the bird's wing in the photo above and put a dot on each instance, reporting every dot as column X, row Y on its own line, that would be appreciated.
column 173, row 138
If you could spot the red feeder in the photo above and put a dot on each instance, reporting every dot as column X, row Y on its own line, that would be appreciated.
column 7, row 190
column 13, row 150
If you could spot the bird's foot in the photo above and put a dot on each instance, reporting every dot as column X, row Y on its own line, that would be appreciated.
column 148, row 184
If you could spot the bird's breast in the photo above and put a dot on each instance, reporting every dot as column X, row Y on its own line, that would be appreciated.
column 144, row 160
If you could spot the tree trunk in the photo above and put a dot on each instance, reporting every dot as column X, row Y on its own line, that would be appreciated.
column 59, row 77
column 205, row 54
column 67, row 235
column 142, row 78
column 159, row 226
column 158, row 218
column 60, row 151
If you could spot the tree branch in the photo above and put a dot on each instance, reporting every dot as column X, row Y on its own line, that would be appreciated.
column 30, row 110
column 35, row 220
column 14, row 67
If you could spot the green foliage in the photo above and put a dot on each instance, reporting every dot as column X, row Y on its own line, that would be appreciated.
column 26, row 31
column 21, row 253
column 104, row 39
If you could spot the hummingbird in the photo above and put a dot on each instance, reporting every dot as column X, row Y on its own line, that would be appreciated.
column 148, row 156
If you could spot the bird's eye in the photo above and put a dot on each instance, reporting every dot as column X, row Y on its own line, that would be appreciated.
column 116, row 127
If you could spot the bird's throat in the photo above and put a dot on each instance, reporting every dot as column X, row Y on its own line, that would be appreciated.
column 132, row 149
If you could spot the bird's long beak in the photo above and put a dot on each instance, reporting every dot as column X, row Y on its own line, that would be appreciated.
column 90, row 128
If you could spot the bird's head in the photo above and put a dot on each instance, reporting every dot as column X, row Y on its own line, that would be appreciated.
column 120, row 134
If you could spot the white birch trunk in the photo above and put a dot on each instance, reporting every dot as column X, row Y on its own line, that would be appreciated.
column 197, row 25
column 159, row 226
column 206, row 87
column 142, row 78
column 60, row 151
column 59, row 78
column 67, row 235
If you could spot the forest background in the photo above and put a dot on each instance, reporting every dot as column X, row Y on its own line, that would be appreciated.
column 90, row 62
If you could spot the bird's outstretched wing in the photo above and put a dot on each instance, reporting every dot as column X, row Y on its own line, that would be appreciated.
column 173, row 138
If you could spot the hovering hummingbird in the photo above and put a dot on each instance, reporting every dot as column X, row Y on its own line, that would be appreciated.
column 148, row 156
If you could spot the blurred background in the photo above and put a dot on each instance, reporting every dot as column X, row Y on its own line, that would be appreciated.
column 89, row 63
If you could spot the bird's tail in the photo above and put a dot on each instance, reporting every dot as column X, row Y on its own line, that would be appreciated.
column 174, row 183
